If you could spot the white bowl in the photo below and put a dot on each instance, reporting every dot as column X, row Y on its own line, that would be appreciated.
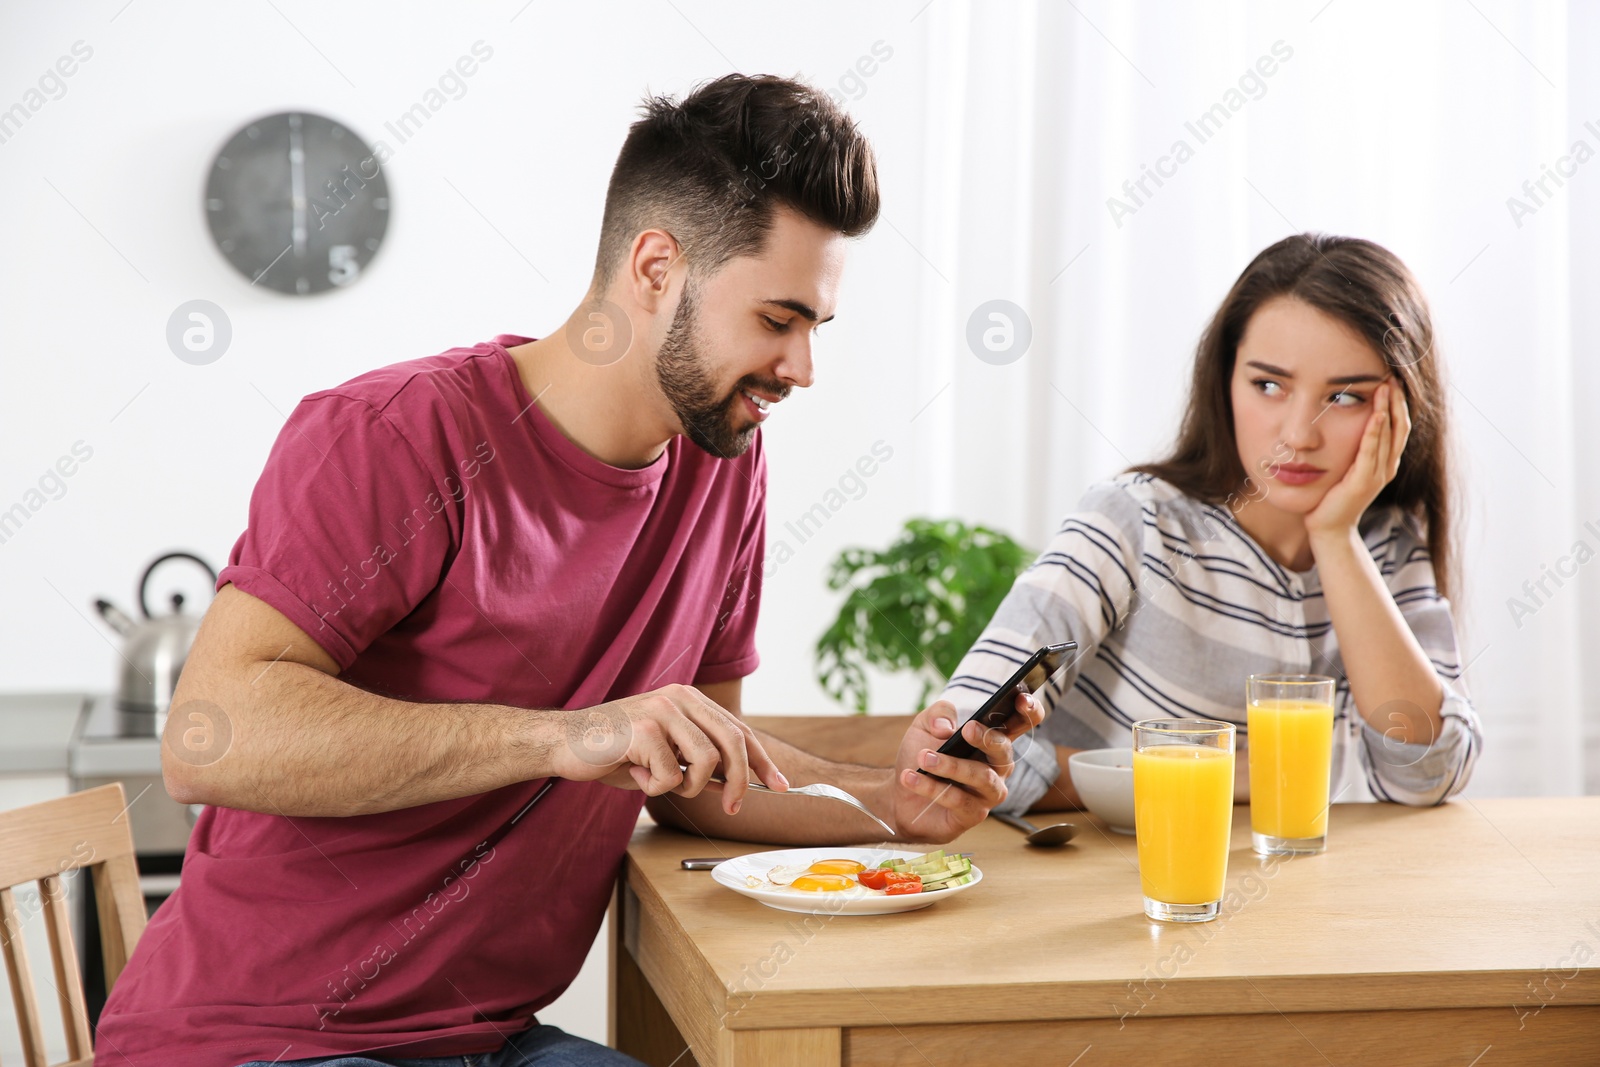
column 1104, row 780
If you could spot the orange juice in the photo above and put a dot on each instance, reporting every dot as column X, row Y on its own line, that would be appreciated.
column 1183, row 809
column 1291, row 749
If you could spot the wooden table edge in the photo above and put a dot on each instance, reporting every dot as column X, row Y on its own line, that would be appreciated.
column 1176, row 998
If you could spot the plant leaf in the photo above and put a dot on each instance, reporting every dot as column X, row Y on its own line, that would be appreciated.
column 917, row 605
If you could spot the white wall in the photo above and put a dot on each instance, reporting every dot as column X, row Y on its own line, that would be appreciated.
column 105, row 237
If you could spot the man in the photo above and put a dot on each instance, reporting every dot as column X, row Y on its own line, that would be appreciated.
column 489, row 601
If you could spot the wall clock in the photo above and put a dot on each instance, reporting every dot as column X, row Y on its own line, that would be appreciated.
column 297, row 203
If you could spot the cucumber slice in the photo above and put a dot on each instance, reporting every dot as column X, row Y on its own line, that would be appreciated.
column 949, row 883
column 937, row 869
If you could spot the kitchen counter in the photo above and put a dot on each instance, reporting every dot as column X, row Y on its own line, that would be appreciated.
column 36, row 731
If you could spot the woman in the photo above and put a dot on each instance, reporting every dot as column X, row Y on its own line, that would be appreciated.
column 1302, row 524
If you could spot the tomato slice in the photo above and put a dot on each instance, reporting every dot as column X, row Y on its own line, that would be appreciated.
column 902, row 878
column 874, row 879
column 896, row 889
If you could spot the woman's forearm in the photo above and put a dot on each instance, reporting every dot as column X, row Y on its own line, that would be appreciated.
column 1392, row 682
column 1063, row 795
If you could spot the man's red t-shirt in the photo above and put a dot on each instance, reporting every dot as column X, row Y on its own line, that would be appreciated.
column 429, row 527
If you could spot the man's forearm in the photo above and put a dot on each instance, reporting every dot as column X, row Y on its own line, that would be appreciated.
column 306, row 743
column 789, row 820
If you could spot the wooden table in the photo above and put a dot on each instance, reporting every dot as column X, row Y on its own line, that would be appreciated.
column 1467, row 934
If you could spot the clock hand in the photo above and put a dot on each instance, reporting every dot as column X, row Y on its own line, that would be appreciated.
column 297, row 184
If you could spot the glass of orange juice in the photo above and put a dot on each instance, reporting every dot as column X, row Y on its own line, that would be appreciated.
column 1182, row 815
column 1290, row 732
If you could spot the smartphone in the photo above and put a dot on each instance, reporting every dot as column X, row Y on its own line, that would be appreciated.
column 1035, row 672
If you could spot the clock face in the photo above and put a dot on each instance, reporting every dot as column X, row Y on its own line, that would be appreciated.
column 297, row 203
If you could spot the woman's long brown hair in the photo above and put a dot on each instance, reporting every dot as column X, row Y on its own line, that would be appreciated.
column 1366, row 287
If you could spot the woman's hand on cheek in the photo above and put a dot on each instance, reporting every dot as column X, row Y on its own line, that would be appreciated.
column 1375, row 465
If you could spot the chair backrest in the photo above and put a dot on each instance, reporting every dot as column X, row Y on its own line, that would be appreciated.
column 42, row 843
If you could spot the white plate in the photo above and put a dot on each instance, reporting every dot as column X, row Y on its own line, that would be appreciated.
column 732, row 873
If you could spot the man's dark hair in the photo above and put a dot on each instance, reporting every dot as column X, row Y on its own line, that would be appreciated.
column 711, row 170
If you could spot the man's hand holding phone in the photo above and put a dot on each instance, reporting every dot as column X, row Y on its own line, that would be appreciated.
column 958, row 782
column 940, row 808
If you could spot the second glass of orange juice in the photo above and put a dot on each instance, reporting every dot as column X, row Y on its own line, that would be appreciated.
column 1290, row 727
column 1183, row 813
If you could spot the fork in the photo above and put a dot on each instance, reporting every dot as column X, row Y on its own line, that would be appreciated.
column 818, row 789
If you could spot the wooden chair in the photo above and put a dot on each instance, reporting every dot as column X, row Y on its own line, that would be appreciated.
column 42, row 842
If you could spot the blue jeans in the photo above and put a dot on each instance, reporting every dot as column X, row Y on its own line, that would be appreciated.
column 542, row 1046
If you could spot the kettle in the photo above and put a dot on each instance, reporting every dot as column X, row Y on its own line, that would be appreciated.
column 153, row 654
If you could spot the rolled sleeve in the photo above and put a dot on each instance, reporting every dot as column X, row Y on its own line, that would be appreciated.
column 1035, row 771
column 1415, row 773
column 1422, row 775
column 348, row 530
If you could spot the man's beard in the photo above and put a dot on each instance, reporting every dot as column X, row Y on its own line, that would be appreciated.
column 686, row 383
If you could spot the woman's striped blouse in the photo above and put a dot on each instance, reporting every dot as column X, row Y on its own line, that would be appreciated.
column 1173, row 606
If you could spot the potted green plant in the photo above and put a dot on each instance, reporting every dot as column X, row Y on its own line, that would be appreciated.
column 917, row 605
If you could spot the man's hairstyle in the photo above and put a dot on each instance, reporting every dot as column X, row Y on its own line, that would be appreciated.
column 712, row 169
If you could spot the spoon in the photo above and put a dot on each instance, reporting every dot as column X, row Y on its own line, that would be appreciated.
column 1040, row 836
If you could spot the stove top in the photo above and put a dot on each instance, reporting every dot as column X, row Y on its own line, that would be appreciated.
column 103, row 747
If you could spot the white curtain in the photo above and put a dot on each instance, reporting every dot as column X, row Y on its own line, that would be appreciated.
column 1412, row 125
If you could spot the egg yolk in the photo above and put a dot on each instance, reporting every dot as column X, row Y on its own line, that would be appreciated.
column 836, row 867
column 821, row 883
